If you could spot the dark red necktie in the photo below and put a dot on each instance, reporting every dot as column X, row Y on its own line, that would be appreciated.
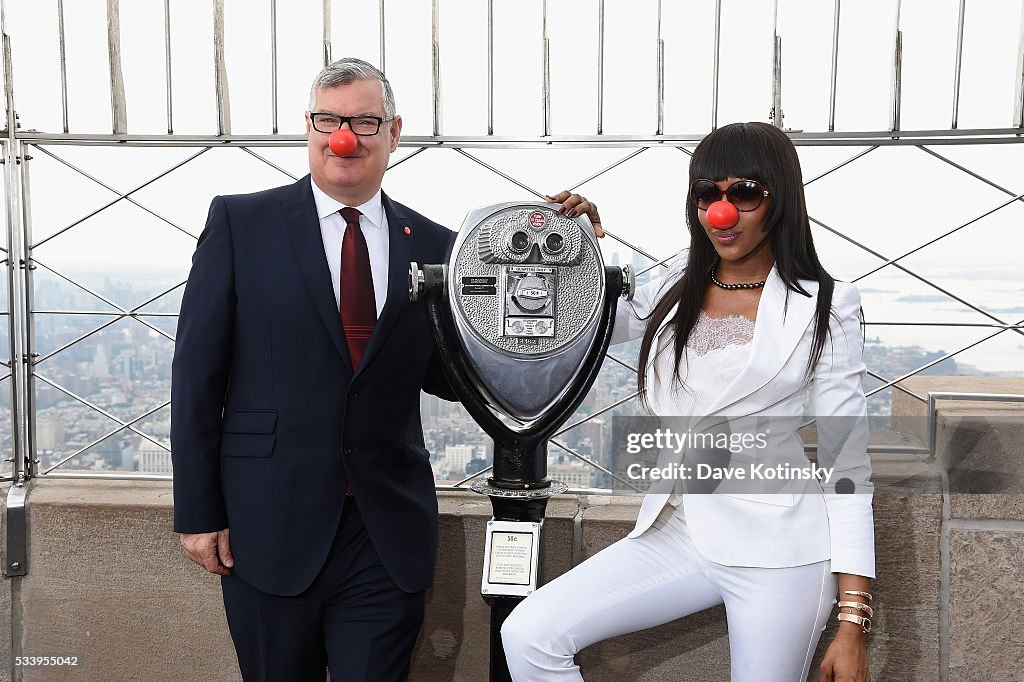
column 358, row 308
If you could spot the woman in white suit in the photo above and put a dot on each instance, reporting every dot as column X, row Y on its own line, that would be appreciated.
column 745, row 324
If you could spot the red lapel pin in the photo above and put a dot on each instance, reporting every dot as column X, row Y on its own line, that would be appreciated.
column 407, row 230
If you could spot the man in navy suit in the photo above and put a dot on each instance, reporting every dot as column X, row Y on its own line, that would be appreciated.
column 300, row 473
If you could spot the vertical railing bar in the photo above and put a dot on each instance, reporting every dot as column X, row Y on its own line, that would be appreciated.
column 895, row 94
column 714, row 87
column 776, row 112
column 220, row 70
column 63, row 63
column 327, row 32
column 1018, row 100
column 167, row 66
column 15, row 284
column 600, row 67
column 31, row 462
column 490, row 67
column 546, row 65
column 273, row 66
column 661, row 76
column 380, row 22
column 435, row 72
column 835, row 70
column 959, row 58
column 118, row 110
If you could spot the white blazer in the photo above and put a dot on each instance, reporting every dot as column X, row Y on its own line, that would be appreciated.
column 808, row 522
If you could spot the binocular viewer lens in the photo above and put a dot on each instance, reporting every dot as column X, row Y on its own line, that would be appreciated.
column 520, row 242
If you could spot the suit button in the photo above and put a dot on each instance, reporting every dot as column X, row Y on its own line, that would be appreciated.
column 348, row 451
column 355, row 394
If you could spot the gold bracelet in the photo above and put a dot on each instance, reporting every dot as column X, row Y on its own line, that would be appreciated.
column 859, row 606
column 855, row 593
column 864, row 623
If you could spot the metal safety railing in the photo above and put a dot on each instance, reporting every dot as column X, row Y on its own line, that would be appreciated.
column 20, row 144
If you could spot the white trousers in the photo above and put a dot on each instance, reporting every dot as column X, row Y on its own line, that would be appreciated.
column 775, row 615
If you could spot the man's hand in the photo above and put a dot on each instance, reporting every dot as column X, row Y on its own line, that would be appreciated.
column 210, row 550
column 574, row 205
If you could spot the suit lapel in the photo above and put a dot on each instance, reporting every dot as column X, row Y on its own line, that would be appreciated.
column 777, row 332
column 308, row 248
column 399, row 250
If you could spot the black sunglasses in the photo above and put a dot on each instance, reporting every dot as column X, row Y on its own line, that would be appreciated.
column 745, row 195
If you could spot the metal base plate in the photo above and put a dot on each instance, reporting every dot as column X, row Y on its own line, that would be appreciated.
column 485, row 488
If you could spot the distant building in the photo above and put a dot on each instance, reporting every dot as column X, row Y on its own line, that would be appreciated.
column 574, row 474
column 458, row 457
column 154, row 459
column 49, row 432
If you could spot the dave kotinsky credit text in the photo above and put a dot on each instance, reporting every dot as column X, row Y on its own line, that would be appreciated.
column 676, row 441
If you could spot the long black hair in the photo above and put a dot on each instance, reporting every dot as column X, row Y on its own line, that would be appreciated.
column 756, row 151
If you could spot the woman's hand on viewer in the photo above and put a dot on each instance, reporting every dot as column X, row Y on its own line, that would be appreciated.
column 576, row 205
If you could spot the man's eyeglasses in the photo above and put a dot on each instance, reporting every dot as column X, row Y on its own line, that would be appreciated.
column 745, row 195
column 325, row 122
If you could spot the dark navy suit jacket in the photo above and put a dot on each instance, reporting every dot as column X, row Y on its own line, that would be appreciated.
column 269, row 422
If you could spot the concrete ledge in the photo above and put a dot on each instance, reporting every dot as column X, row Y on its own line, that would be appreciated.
column 108, row 581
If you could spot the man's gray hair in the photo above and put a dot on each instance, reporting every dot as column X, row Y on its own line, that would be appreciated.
column 349, row 70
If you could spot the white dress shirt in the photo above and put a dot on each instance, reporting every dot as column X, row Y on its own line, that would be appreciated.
column 374, row 224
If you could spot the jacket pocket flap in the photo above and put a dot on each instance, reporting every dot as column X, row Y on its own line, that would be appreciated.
column 250, row 421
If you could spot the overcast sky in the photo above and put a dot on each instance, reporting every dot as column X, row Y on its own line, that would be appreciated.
column 893, row 199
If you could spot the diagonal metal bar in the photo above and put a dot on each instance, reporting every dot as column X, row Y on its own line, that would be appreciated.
column 663, row 263
column 589, row 417
column 125, row 313
column 593, row 464
column 844, row 163
column 476, row 475
column 111, row 434
column 269, row 163
column 878, row 376
column 157, row 297
column 935, row 362
column 106, row 186
column 407, row 157
column 83, row 337
column 968, row 171
column 605, row 170
column 941, row 236
column 821, row 175
column 8, row 375
column 99, row 409
column 621, row 362
column 541, row 196
column 122, row 196
column 912, row 273
column 494, row 170
column 630, row 245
